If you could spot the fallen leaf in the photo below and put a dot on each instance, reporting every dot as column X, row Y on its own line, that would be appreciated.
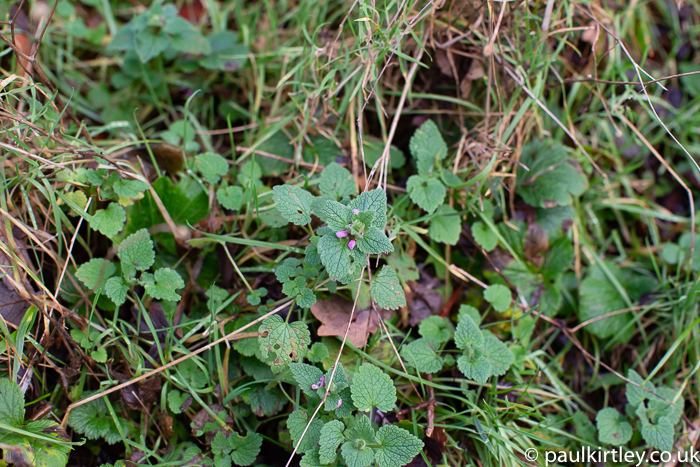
column 334, row 315
column 536, row 243
column 13, row 303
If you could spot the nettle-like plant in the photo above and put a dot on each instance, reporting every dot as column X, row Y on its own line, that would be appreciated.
column 655, row 417
column 483, row 354
column 344, row 435
column 137, row 256
column 29, row 442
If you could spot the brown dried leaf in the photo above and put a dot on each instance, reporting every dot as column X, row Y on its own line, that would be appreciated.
column 334, row 315
column 536, row 243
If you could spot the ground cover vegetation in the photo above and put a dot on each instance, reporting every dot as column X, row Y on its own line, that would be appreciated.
column 347, row 233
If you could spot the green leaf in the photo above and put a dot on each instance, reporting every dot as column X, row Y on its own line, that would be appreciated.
column 475, row 367
column 245, row 448
column 94, row 273
column 255, row 296
column 612, row 429
column 551, row 179
column 306, row 298
column 318, row 352
column 99, row 355
column 109, row 222
column 470, row 311
column 599, row 296
column 250, row 174
column 306, row 376
column 94, row 421
column 427, row 147
column 498, row 295
column 129, row 188
column 331, row 437
column 484, row 236
column 335, row 256
column 176, row 400
column 166, row 283
column 468, row 336
column 371, row 387
column 499, row 356
column 659, row 435
column 230, row 197
column 338, row 216
column 11, row 403
column 225, row 55
column 296, row 423
column 116, row 290
column 374, row 200
column 288, row 270
column 293, row 203
column 212, row 166
column 436, row 327
column 559, row 257
column 446, row 226
column 136, row 253
column 386, row 290
column 397, row 448
column 374, row 242
column 422, row 355
column 336, row 182
column 428, row 193
column 375, row 149
column 288, row 342
column 357, row 451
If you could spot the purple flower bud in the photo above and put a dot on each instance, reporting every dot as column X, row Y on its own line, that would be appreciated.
column 362, row 233
column 314, row 386
column 341, row 234
column 322, row 382
column 355, row 211
column 340, row 402
column 351, row 244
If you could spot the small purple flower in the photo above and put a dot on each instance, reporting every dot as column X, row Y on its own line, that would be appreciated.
column 356, row 211
column 320, row 384
column 341, row 234
column 314, row 386
column 340, row 402
column 351, row 244
column 361, row 234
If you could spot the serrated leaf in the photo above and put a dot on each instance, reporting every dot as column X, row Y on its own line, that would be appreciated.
column 659, row 435
column 470, row 311
column 335, row 256
column 498, row 295
column 211, row 165
column 94, row 421
column 287, row 341
column 306, row 298
column 427, row 147
column 255, row 296
column 357, row 451
column 245, row 448
column 371, row 387
column 437, row 328
column 476, row 368
column 306, row 375
column 79, row 198
column 428, row 193
column 109, row 222
column 176, row 400
column 116, row 290
column 99, row 355
column 404, row 265
column 422, row 355
column 338, row 216
column 318, row 352
column 136, row 253
column 499, row 356
column 374, row 200
column 11, row 403
column 347, row 407
column 599, row 296
column 484, row 236
column 331, row 437
column 296, row 423
column 374, row 242
column 94, row 273
column 551, row 179
column 386, row 290
column 129, row 188
column 336, row 182
column 397, row 448
column 468, row 335
column 446, row 226
column 612, row 428
column 230, row 197
column 293, row 203
column 166, row 283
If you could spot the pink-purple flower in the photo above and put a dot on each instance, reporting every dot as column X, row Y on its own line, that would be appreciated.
column 320, row 384
column 351, row 244
column 356, row 211
column 341, row 234
column 340, row 402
